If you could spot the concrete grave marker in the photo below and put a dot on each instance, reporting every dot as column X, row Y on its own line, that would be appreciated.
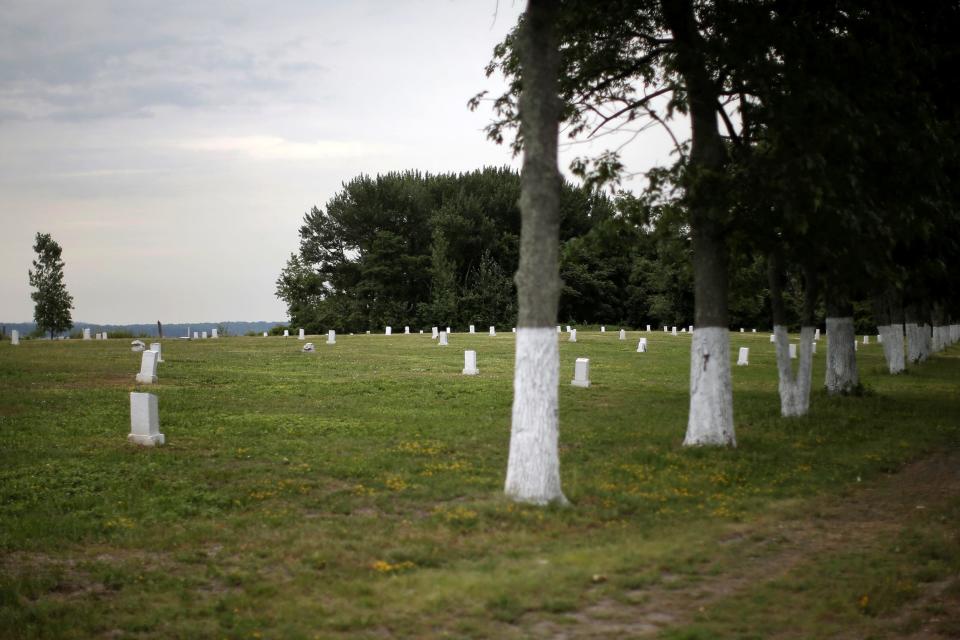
column 568, row 328
column 753, row 330
column 813, row 347
column 793, row 351
column 642, row 346
column 673, row 331
column 196, row 335
column 470, row 363
column 406, row 330
column 264, row 334
column 448, row 331
column 436, row 333
column 558, row 329
column 743, row 356
column 105, row 335
column 866, row 339
column 215, row 333
column 573, row 335
column 155, row 346
column 86, row 333
column 389, row 331
column 816, row 334
column 581, row 373
column 623, row 334
column 148, row 368
column 603, row 329
column 514, row 329
column 286, row 333
column 144, row 420
column 741, row 330
column 14, row 337
column 301, row 336
column 493, row 332
column 331, row 337
column 879, row 338
column 772, row 338
column 137, row 346
column 308, row 347
column 443, row 338
column 648, row 328
column 690, row 329
column 203, row 335
column 472, row 329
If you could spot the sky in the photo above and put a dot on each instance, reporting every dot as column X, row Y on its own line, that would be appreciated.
column 172, row 148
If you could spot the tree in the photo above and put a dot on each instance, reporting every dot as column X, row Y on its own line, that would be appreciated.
column 533, row 467
column 52, row 302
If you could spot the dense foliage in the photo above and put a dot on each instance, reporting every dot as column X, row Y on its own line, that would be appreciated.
column 436, row 250
column 52, row 302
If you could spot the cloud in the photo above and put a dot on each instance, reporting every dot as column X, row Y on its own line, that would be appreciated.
column 276, row 148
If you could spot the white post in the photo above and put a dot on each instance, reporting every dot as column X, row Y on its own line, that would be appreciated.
column 144, row 419
column 642, row 346
column 743, row 357
column 581, row 373
column 331, row 337
column 470, row 363
column 148, row 368
column 443, row 338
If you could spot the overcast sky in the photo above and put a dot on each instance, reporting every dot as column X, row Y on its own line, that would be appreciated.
column 172, row 148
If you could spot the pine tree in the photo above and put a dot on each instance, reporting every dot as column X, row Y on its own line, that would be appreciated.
column 53, row 303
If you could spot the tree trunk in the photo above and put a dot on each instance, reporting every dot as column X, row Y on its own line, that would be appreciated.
column 842, row 375
column 533, row 468
column 915, row 340
column 794, row 388
column 888, row 312
column 710, row 420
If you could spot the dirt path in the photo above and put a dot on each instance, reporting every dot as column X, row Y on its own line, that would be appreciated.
column 868, row 518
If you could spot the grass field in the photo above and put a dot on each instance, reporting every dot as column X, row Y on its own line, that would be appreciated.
column 356, row 493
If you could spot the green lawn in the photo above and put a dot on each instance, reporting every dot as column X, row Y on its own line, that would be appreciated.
column 356, row 491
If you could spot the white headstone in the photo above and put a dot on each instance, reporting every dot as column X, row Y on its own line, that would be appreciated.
column 470, row 363
column 301, row 336
column 743, row 357
column 406, row 330
column 753, row 330
column 603, row 329
column 472, row 329
column 148, row 368
column 856, row 346
column 436, row 332
column 155, row 346
column 816, row 334
column 389, row 331
column 286, row 333
column 623, row 334
column 203, row 335
column 866, row 339
column 690, row 329
column 99, row 336
column 879, row 338
column 793, row 351
column 144, row 419
column 684, row 330
column 813, row 347
column 331, row 337
column 215, row 333
column 443, row 338
column 568, row 328
column 673, row 330
column 741, row 330
column 368, row 331
column 86, row 333
column 573, row 335
column 137, row 346
column 514, row 329
column 773, row 338
column 264, row 334
column 308, row 347
column 448, row 331
column 581, row 373
column 196, row 335
column 666, row 329
column 14, row 337
column 558, row 329
column 648, row 328
column 493, row 331
column 421, row 331
column 642, row 346
column 105, row 335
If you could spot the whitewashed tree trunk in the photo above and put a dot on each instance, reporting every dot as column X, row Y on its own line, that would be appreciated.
column 926, row 340
column 892, row 335
column 842, row 375
column 794, row 387
column 533, row 471
column 533, row 467
column 915, row 352
column 711, row 392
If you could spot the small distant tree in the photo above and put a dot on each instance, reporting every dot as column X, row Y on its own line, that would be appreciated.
column 52, row 303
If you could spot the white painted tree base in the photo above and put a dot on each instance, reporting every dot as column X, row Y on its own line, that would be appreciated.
column 711, row 393
column 533, row 468
column 842, row 375
column 891, row 337
column 794, row 387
